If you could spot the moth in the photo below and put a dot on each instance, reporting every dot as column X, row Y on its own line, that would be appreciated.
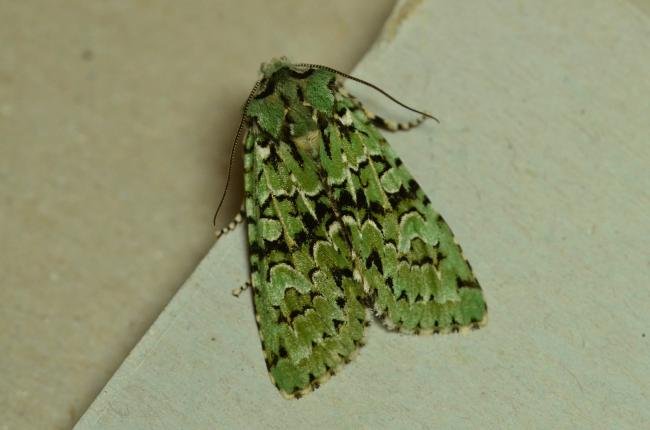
column 339, row 232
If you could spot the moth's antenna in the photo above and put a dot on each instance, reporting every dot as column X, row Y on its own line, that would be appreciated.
column 373, row 86
column 234, row 147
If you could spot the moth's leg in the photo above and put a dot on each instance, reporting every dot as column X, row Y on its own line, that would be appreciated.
column 239, row 218
column 380, row 122
column 237, row 291
column 389, row 125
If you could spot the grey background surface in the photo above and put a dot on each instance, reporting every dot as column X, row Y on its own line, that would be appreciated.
column 540, row 166
column 116, row 120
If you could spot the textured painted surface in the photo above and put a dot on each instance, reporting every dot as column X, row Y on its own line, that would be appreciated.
column 338, row 228
column 540, row 165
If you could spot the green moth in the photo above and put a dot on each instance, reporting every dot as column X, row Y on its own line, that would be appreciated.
column 339, row 232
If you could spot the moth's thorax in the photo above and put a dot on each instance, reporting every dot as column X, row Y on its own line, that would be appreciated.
column 293, row 104
column 309, row 143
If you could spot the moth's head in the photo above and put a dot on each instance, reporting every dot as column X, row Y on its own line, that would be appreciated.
column 268, row 69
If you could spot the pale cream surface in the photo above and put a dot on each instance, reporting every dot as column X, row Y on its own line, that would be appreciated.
column 540, row 165
column 116, row 121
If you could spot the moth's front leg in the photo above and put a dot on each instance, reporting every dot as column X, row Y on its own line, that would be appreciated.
column 381, row 122
column 238, row 219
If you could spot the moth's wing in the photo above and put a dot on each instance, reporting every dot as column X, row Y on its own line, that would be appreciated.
column 414, row 270
column 309, row 308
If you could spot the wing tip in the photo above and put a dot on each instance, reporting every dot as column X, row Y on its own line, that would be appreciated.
column 329, row 372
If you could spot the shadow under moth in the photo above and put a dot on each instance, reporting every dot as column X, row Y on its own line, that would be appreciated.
column 339, row 232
